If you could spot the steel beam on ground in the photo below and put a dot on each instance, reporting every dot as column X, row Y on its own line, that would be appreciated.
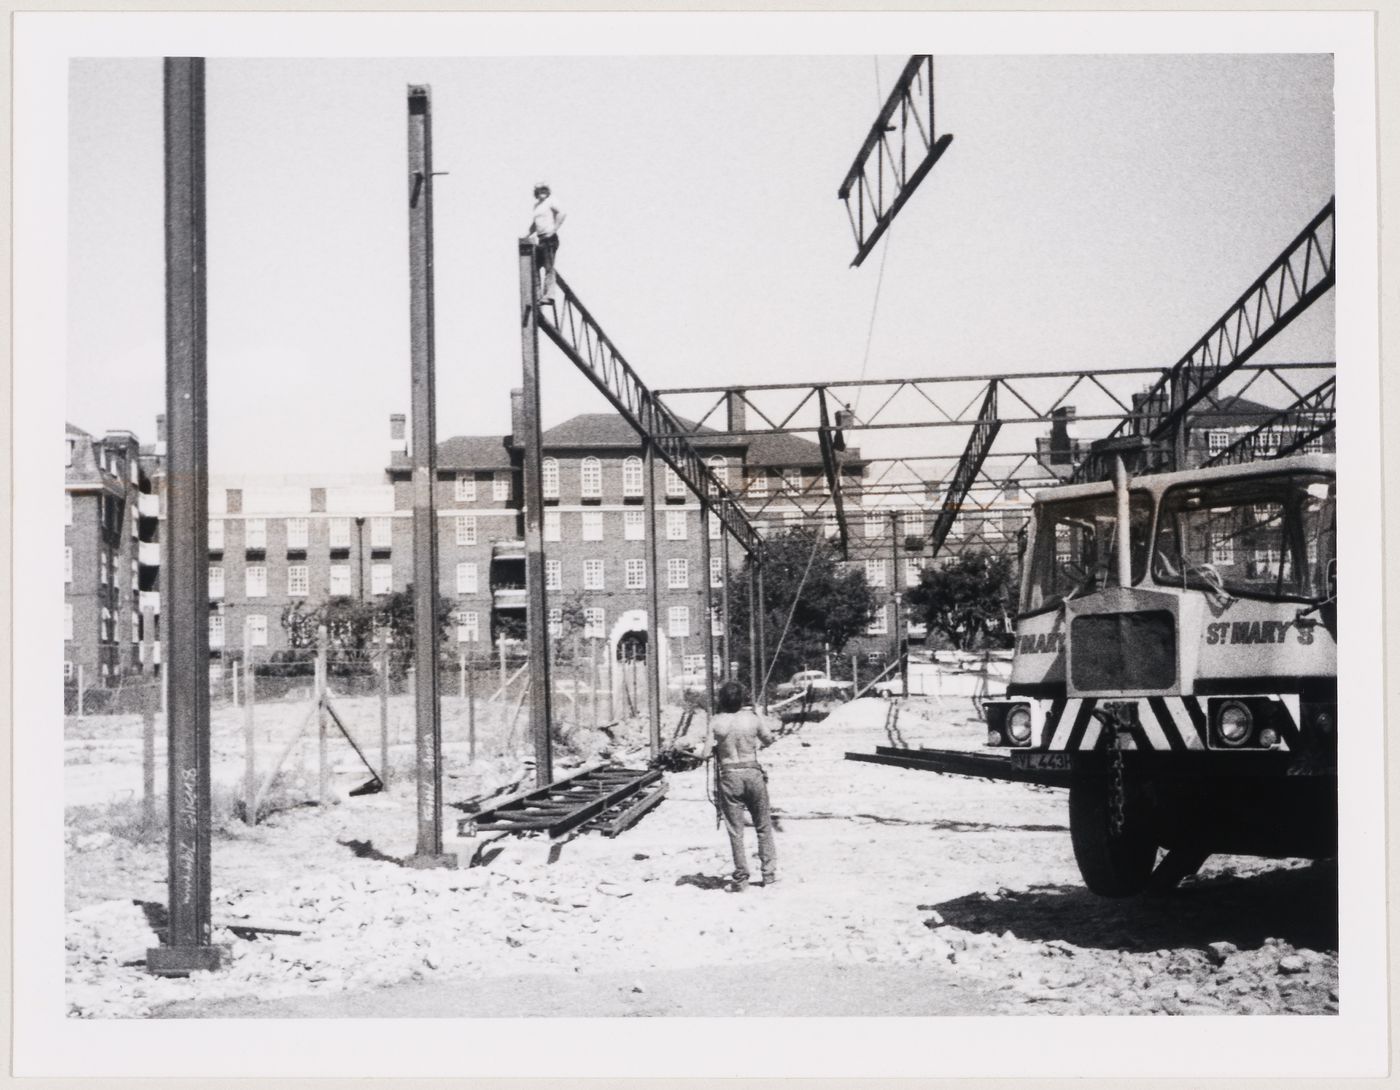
column 537, row 604
column 428, row 710
column 905, row 123
column 188, row 946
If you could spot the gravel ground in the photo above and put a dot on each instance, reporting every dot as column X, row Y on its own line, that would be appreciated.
column 902, row 892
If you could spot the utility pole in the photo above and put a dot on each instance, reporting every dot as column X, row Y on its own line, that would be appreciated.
column 707, row 606
column 360, row 553
column 724, row 597
column 188, row 946
column 425, row 555
column 537, row 603
column 897, row 596
column 653, row 598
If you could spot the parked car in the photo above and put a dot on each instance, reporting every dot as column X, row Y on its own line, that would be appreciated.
column 814, row 682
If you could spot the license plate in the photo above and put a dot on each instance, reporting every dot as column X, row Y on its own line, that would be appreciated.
column 1056, row 761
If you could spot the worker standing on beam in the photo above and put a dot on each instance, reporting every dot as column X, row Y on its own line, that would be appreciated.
column 735, row 735
column 546, row 220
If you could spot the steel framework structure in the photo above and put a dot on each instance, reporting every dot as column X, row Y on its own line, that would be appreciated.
column 1310, row 417
column 883, row 178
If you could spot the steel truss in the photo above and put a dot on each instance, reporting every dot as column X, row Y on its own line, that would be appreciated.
column 1300, row 275
column 1310, row 417
column 882, row 186
column 578, row 335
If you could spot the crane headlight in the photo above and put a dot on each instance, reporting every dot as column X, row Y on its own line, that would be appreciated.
column 1235, row 722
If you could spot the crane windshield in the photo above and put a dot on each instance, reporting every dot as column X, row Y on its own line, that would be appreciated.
column 1073, row 550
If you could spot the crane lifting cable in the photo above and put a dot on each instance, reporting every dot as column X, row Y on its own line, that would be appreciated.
column 777, row 650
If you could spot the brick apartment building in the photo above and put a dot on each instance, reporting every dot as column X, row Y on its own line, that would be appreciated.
column 111, row 558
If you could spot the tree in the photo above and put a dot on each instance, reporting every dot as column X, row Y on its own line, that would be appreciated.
column 969, row 600
column 833, row 604
column 353, row 625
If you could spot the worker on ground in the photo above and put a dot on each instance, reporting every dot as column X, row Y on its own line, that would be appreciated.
column 735, row 736
column 546, row 220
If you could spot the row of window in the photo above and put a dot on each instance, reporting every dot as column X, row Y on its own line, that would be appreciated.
column 633, row 525
column 381, row 533
column 465, row 491
column 634, row 574
column 590, row 478
column 340, row 584
column 877, row 572
column 106, row 567
column 107, row 624
column 1266, row 441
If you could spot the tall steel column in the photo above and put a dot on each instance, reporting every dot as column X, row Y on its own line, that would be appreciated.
column 709, row 607
column 186, row 564
column 753, row 631
column 653, row 601
column 896, row 596
column 724, row 601
column 425, row 555
column 760, row 695
column 537, row 605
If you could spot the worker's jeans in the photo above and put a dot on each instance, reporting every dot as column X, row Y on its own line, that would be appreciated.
column 740, row 790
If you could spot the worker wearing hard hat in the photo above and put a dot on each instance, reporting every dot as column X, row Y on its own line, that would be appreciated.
column 545, row 222
column 736, row 735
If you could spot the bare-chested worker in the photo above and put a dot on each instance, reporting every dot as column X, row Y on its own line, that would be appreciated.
column 736, row 735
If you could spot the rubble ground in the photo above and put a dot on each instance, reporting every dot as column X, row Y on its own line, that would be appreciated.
column 902, row 892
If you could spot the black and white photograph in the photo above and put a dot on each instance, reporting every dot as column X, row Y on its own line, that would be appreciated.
column 575, row 518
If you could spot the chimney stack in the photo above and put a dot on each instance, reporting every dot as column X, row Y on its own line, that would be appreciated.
column 1062, row 435
column 398, row 433
column 736, row 411
column 160, row 435
column 517, row 417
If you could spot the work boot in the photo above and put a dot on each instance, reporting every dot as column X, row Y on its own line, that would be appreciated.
column 770, row 880
column 737, row 885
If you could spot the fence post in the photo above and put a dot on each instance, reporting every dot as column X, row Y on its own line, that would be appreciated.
column 410, row 676
column 501, row 643
column 462, row 675
column 470, row 676
column 250, row 771
column 82, row 691
column 236, row 671
column 323, row 769
column 855, row 673
column 384, row 716
column 149, row 703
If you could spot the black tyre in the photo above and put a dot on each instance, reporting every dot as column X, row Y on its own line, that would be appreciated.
column 1113, row 864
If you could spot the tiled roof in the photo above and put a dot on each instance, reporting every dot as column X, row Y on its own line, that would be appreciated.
column 611, row 430
column 474, row 452
column 1234, row 412
column 778, row 449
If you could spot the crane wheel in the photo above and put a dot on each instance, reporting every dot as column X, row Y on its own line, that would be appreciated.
column 1113, row 864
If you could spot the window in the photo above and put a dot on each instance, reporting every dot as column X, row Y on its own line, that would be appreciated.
column 465, row 490
column 593, row 526
column 678, row 573
column 880, row 623
column 549, row 478
column 216, row 630
column 632, row 476
column 216, row 581
column 1266, row 441
column 716, row 629
column 758, row 483
column 716, row 571
column 636, row 574
column 556, row 623
column 590, row 478
column 102, row 565
column 1217, row 441
column 68, row 509
column 340, row 533
column 255, row 581
column 875, row 573
column 830, row 525
column 381, row 533
column 500, row 486
column 634, row 526
column 719, row 466
column 713, row 526
column 67, row 564
column 553, row 575
column 381, row 578
column 592, row 575
column 466, row 529
column 674, row 485
column 1074, row 548
column 913, row 573
column 678, row 621
column 792, row 480
column 1220, row 546
column 675, row 525
column 873, row 523
column 593, row 621
column 296, row 533
column 466, row 577
column 67, row 620
column 914, row 523
column 551, row 526
column 255, row 534
column 1312, row 446
column 469, row 628
column 297, row 581
column 216, row 535
column 255, row 627
column 340, row 580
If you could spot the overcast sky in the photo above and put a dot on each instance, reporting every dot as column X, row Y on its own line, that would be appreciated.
column 1092, row 211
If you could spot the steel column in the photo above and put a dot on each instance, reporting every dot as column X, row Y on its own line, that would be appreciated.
column 896, row 594
column 708, row 599
column 724, row 602
column 537, row 603
column 187, row 945
column 425, row 553
column 653, row 599
column 753, row 631
column 760, row 695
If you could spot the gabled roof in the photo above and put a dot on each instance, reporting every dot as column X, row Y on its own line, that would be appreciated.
column 1234, row 412
column 778, row 449
column 474, row 452
column 611, row 430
